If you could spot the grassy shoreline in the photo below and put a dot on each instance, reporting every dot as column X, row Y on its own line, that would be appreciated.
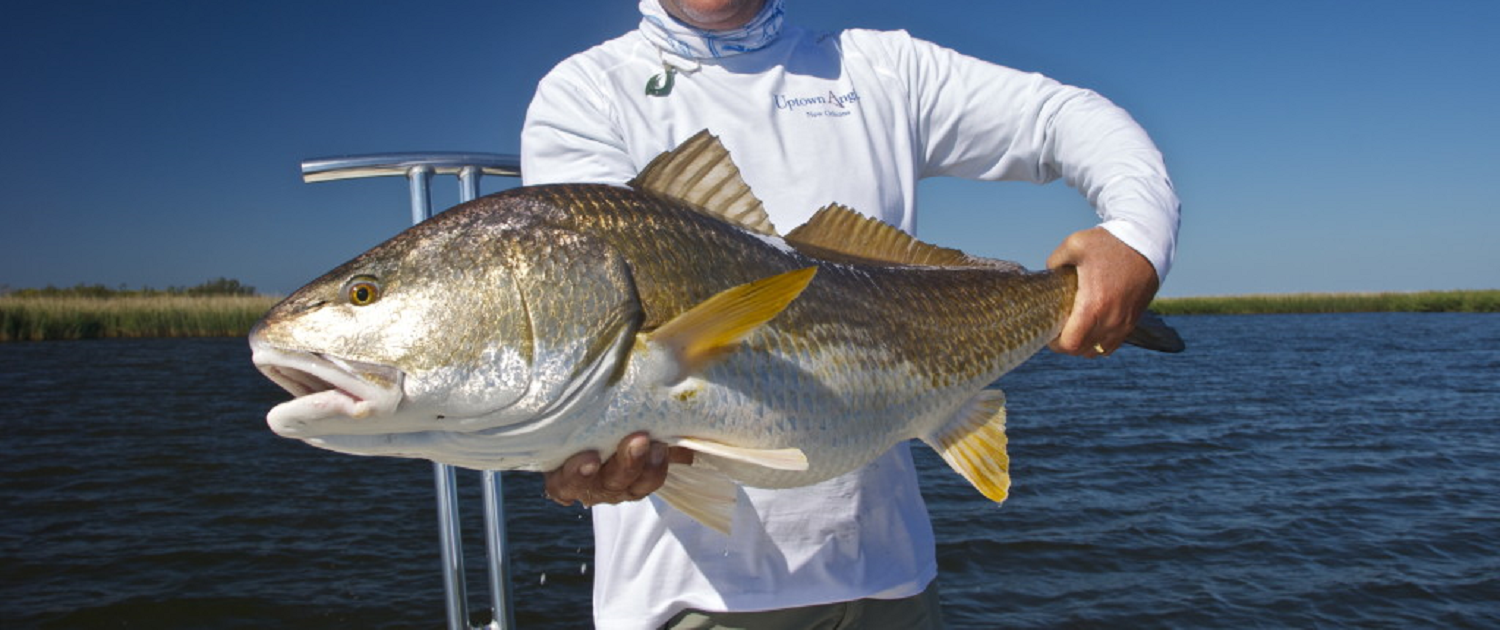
column 43, row 318
column 34, row 318
column 1477, row 301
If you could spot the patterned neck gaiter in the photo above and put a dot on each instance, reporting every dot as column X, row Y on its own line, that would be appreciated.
column 681, row 40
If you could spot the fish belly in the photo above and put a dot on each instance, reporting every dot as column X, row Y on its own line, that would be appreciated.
column 842, row 410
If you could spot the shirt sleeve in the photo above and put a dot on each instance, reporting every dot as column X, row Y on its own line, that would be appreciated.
column 569, row 135
column 980, row 120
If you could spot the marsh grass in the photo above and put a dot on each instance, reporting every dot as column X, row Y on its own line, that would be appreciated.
column 1484, row 301
column 39, row 318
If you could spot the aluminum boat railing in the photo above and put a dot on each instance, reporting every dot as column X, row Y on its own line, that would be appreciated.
column 418, row 169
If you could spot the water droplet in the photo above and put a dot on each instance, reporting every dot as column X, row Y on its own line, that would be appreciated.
column 583, row 569
column 544, row 579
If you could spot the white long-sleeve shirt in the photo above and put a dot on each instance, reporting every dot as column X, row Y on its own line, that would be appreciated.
column 856, row 117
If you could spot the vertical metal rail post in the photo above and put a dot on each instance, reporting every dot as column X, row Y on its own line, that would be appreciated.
column 418, row 168
column 494, row 495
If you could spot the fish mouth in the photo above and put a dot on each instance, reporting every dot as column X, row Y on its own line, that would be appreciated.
column 331, row 394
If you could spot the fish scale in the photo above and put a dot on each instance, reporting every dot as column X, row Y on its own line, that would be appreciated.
column 957, row 316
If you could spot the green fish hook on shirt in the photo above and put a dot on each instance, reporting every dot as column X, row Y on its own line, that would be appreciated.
column 656, row 86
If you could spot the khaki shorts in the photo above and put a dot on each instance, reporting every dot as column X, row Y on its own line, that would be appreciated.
column 918, row 612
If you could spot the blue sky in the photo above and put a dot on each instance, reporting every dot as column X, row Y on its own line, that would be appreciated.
column 1317, row 146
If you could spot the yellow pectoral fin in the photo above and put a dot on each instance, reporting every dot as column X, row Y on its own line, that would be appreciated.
column 715, row 327
column 973, row 443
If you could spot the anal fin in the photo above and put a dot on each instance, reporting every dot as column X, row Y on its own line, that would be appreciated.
column 973, row 443
column 708, row 495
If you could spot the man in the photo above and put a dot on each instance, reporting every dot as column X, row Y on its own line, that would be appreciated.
column 856, row 117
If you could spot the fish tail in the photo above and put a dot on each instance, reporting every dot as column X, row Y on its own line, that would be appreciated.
column 1152, row 333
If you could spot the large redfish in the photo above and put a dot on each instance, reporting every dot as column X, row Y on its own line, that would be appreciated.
column 515, row 330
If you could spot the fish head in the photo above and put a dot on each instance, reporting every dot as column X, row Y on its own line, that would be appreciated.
column 456, row 326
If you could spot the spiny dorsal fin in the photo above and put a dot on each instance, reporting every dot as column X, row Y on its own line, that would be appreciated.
column 840, row 234
column 699, row 172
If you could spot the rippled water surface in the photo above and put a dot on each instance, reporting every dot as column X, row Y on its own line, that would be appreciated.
column 1288, row 471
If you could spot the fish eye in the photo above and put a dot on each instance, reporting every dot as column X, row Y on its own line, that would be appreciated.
column 362, row 291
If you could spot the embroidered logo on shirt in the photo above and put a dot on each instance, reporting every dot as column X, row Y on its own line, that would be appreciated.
column 830, row 104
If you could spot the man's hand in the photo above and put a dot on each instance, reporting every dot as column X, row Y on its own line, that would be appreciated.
column 1115, row 283
column 637, row 468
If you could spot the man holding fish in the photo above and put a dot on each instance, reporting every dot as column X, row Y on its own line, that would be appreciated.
column 760, row 387
column 853, row 117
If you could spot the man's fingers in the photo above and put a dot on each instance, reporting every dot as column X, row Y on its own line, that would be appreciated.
column 1090, row 344
column 1085, row 333
column 1115, row 283
column 1070, row 340
column 637, row 468
column 653, row 473
column 625, row 467
column 573, row 479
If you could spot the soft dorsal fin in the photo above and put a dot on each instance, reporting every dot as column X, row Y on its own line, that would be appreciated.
column 699, row 172
column 840, row 234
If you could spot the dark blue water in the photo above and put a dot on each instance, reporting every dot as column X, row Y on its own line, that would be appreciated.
column 1288, row 471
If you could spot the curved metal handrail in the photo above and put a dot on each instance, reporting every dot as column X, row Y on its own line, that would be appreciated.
column 327, row 169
